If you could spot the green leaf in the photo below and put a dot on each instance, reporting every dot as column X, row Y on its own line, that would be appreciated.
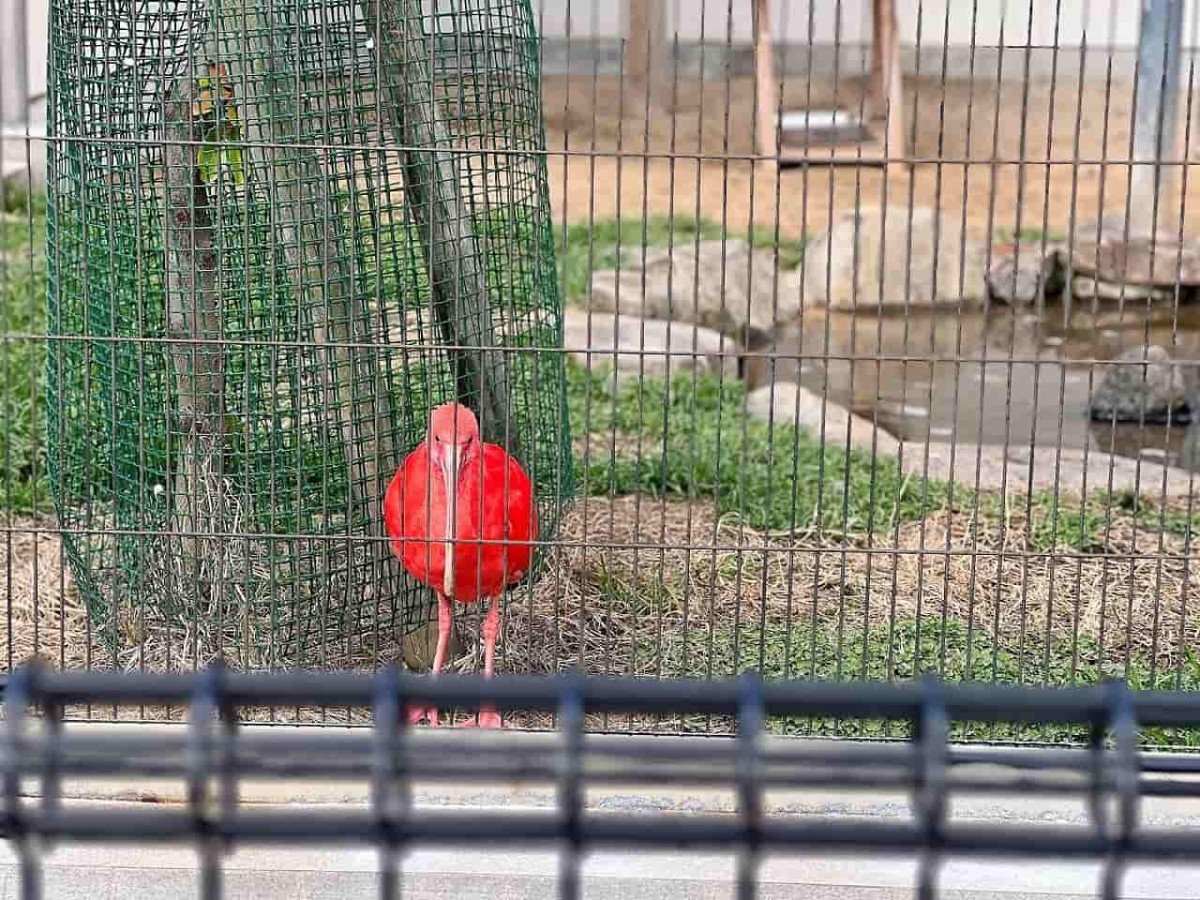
column 233, row 158
column 208, row 161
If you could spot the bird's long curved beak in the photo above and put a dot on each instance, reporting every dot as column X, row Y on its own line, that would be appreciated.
column 450, row 463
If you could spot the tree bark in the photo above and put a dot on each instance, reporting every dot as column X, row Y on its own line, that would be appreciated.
column 193, row 321
column 432, row 185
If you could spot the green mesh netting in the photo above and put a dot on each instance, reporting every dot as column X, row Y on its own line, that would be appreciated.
column 256, row 297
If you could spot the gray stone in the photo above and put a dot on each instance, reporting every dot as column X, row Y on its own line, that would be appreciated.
column 632, row 345
column 1189, row 452
column 1190, row 373
column 871, row 258
column 1022, row 275
column 1088, row 286
column 1152, row 392
column 788, row 403
column 723, row 285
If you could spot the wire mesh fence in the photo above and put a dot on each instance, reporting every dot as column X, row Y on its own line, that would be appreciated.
column 838, row 340
column 214, row 761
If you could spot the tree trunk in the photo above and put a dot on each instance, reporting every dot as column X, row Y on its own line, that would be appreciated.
column 193, row 320
column 432, row 185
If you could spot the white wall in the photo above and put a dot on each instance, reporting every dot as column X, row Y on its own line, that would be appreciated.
column 1015, row 22
column 14, row 48
column 996, row 22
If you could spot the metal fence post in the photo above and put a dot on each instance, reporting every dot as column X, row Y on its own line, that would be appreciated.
column 1156, row 108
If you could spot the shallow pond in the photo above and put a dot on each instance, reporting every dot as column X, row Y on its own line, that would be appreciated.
column 995, row 377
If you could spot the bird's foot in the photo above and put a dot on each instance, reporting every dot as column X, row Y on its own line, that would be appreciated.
column 485, row 718
column 414, row 714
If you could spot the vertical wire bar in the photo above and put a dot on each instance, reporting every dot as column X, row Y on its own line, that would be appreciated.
column 937, row 288
column 20, row 692
column 1018, row 222
column 971, row 544
column 751, row 721
column 388, row 799
column 570, row 784
column 206, row 704
column 720, row 420
column 693, row 443
column 1171, row 148
column 1124, row 778
column 652, row 43
column 1191, row 464
column 932, row 735
column 1048, row 636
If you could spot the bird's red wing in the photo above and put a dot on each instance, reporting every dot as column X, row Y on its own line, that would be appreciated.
column 514, row 497
column 392, row 499
column 410, row 520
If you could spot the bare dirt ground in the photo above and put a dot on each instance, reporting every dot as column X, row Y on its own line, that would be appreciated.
column 970, row 140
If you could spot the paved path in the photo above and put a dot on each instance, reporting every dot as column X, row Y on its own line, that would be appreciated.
column 100, row 872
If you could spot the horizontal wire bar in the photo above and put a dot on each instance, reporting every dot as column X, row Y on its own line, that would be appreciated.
column 522, row 350
column 816, row 161
column 965, row 701
column 1063, row 553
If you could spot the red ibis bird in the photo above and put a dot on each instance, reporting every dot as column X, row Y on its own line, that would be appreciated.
column 461, row 518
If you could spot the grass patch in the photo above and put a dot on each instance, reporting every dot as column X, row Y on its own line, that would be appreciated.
column 690, row 437
column 1064, row 523
column 908, row 649
column 22, row 360
column 1030, row 234
column 612, row 243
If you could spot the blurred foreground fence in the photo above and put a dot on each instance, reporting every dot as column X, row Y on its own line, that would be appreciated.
column 837, row 346
column 213, row 758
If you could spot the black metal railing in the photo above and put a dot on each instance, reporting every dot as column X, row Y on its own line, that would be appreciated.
column 215, row 756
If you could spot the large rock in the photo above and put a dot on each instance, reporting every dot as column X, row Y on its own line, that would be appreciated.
column 926, row 260
column 1162, row 261
column 723, row 285
column 1020, row 276
column 1189, row 452
column 632, row 345
column 788, row 403
column 1085, row 287
column 1152, row 391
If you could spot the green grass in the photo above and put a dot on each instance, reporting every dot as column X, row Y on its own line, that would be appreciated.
column 22, row 360
column 696, row 441
column 908, row 649
column 1028, row 235
column 609, row 244
column 1063, row 523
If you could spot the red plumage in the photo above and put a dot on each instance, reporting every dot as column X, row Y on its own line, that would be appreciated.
column 495, row 505
column 456, row 496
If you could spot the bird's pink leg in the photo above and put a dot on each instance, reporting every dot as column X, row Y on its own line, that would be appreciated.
column 488, row 716
column 445, row 622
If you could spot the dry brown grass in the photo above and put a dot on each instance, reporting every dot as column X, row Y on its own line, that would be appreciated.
column 633, row 574
column 42, row 612
column 624, row 579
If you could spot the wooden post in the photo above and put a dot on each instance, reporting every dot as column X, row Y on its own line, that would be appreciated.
column 887, row 85
column 432, row 186
column 1153, row 199
column 767, row 121
column 644, row 64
